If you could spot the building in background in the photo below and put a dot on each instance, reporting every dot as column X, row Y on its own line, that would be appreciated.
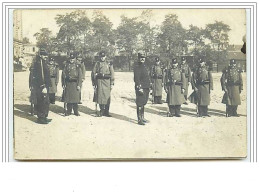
column 29, row 52
column 17, row 34
column 234, row 52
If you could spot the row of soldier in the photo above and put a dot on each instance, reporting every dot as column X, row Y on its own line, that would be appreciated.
column 174, row 79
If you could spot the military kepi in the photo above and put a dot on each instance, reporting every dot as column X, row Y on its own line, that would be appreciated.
column 232, row 61
column 43, row 52
column 72, row 55
column 141, row 55
column 102, row 54
column 174, row 61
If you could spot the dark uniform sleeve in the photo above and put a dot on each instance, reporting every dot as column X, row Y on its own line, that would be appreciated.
column 80, row 78
column 47, row 76
column 63, row 77
column 57, row 75
column 112, row 74
column 241, row 82
column 136, row 77
column 83, row 70
column 189, row 74
column 193, row 81
column 222, row 81
column 211, row 80
column 93, row 75
column 184, row 80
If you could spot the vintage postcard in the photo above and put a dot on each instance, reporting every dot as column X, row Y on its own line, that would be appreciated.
column 129, row 84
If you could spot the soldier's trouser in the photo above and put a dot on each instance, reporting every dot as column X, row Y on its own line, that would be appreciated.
column 203, row 110
column 175, row 110
column 232, row 110
column 71, row 106
column 158, row 99
column 52, row 98
column 42, row 105
column 104, row 108
column 140, row 115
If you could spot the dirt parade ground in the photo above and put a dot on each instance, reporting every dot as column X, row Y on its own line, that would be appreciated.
column 120, row 137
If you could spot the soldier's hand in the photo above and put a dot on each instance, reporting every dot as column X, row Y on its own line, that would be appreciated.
column 183, row 90
column 111, row 87
column 78, row 87
column 44, row 90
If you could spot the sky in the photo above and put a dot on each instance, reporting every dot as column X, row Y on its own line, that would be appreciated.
column 35, row 19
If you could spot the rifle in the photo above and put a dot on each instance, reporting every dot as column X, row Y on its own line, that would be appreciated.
column 153, row 86
column 167, row 96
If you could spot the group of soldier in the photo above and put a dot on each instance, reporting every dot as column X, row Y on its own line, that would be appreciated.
column 174, row 79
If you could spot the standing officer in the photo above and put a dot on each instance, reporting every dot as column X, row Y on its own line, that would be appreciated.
column 232, row 85
column 81, row 64
column 71, row 83
column 202, row 83
column 54, row 78
column 142, row 85
column 175, row 87
column 188, row 75
column 157, row 82
column 103, row 82
column 41, row 84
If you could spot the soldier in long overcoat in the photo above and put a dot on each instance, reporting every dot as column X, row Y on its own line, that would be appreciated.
column 71, row 83
column 81, row 64
column 142, row 86
column 41, row 83
column 202, row 84
column 157, row 81
column 103, row 82
column 54, row 78
column 175, row 87
column 232, row 85
column 33, row 95
column 188, row 75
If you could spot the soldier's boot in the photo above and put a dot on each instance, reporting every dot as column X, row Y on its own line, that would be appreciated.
column 63, row 97
column 80, row 102
column 140, row 121
column 75, row 108
column 106, row 110
column 171, row 111
column 235, row 111
column 185, row 97
column 159, row 99
column 177, row 111
column 199, row 111
column 206, row 111
column 142, row 114
column 42, row 121
column 69, row 109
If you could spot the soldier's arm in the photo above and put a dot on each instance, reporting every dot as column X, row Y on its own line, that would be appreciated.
column 193, row 81
column 222, row 81
column 83, row 71
column 136, row 76
column 184, row 80
column 47, row 77
column 241, row 82
column 112, row 74
column 93, row 75
column 189, row 74
column 211, row 80
column 80, row 76
column 57, row 75
column 63, row 77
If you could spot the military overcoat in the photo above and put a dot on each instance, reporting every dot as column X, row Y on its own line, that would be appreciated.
column 103, row 78
column 232, row 84
column 71, row 78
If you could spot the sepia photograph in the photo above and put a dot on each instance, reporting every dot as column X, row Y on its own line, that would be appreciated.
column 129, row 84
